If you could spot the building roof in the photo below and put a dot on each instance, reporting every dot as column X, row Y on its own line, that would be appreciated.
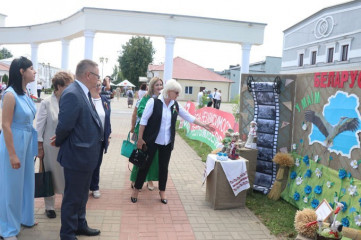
column 184, row 69
column 4, row 67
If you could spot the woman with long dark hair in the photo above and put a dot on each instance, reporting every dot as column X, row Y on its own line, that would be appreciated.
column 18, row 147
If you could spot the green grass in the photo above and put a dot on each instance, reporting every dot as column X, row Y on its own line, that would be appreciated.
column 201, row 149
column 277, row 216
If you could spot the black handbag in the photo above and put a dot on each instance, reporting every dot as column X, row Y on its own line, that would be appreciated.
column 43, row 183
column 139, row 158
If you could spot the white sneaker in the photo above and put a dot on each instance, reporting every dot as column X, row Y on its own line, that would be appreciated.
column 96, row 194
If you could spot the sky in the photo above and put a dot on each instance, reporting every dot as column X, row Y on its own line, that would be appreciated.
column 277, row 14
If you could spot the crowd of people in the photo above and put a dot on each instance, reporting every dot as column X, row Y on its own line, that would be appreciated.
column 72, row 133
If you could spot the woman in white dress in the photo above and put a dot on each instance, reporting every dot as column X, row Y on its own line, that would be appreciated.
column 47, row 120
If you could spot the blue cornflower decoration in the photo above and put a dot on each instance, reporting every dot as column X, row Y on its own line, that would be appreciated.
column 306, row 160
column 308, row 173
column 343, row 190
column 318, row 189
column 315, row 203
column 342, row 174
column 293, row 175
column 359, row 201
column 308, row 189
column 331, row 204
column 344, row 206
column 349, row 175
column 345, row 222
column 296, row 196
column 352, row 210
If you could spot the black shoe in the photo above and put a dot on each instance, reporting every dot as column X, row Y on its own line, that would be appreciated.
column 164, row 201
column 50, row 213
column 133, row 199
column 87, row 231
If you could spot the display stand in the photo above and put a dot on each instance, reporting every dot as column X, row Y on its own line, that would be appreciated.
column 219, row 192
column 251, row 156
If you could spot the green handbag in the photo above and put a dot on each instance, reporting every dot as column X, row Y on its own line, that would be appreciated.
column 127, row 147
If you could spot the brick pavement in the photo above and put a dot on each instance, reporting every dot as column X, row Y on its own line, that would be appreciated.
column 186, row 216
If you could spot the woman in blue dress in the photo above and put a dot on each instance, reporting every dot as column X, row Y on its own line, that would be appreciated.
column 18, row 147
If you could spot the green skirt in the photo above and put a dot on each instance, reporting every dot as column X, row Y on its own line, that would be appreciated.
column 153, row 173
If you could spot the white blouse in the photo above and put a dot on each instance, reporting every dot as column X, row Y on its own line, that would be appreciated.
column 100, row 110
column 163, row 137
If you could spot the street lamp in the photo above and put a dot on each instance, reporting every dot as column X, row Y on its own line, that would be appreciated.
column 102, row 60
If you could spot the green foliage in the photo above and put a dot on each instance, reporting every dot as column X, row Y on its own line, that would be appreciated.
column 236, row 107
column 4, row 53
column 135, row 57
column 117, row 75
column 5, row 79
column 278, row 216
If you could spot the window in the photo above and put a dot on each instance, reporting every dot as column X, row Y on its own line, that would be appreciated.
column 330, row 55
column 313, row 57
column 189, row 90
column 344, row 52
column 300, row 60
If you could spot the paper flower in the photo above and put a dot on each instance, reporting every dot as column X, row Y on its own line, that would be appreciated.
column 349, row 175
column 318, row 172
column 331, row 204
column 296, row 196
column 345, row 222
column 299, row 181
column 358, row 220
column 306, row 160
column 354, row 164
column 316, row 158
column 297, row 162
column 308, row 173
column 318, row 189
column 294, row 146
column 330, row 184
column 293, row 175
column 315, row 203
column 342, row 173
column 359, row 201
column 304, row 126
column 308, row 189
column 305, row 199
column 352, row 210
column 352, row 189
column 344, row 206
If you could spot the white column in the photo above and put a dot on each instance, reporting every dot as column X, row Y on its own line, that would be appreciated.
column 89, row 40
column 34, row 59
column 168, row 63
column 246, row 50
column 65, row 54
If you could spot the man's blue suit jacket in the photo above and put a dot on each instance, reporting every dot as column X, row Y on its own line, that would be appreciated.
column 79, row 132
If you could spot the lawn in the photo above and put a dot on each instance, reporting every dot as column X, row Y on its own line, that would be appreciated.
column 277, row 216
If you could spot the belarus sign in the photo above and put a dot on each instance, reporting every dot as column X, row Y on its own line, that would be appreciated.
column 221, row 121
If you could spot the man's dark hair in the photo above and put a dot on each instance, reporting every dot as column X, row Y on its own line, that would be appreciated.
column 143, row 86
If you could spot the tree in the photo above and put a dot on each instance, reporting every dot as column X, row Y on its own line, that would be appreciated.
column 135, row 57
column 5, row 79
column 4, row 53
column 117, row 75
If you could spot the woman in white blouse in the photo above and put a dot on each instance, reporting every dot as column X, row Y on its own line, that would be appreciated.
column 47, row 120
column 102, row 107
column 157, row 132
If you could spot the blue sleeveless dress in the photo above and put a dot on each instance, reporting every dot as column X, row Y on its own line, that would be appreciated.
column 17, row 185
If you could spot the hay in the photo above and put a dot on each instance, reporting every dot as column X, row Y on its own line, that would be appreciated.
column 284, row 159
column 275, row 192
column 302, row 218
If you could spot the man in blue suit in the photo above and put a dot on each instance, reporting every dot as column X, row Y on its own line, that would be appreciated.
column 79, row 135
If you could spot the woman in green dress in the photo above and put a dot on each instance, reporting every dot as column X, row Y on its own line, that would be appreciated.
column 155, row 87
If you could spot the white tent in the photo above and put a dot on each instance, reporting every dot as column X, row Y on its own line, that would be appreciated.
column 125, row 83
column 112, row 84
